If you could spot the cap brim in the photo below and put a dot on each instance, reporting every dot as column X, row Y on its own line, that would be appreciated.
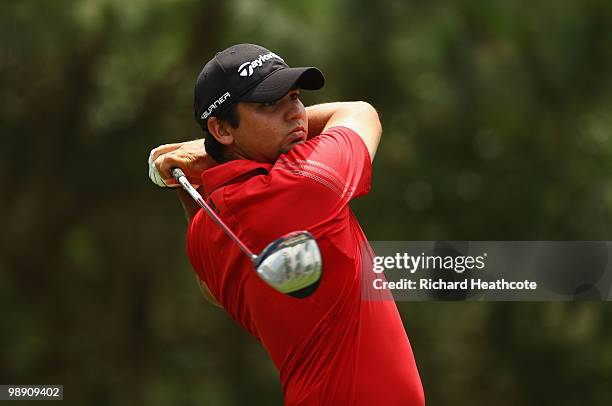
column 278, row 84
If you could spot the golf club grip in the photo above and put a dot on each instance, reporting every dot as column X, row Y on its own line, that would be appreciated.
column 177, row 173
column 180, row 177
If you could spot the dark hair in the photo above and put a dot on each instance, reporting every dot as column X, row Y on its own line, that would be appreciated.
column 213, row 147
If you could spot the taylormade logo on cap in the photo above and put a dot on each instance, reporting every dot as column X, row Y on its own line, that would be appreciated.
column 215, row 105
column 247, row 68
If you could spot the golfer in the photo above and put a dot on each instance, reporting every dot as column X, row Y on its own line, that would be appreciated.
column 269, row 166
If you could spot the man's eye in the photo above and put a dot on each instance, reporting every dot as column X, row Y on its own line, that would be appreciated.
column 269, row 104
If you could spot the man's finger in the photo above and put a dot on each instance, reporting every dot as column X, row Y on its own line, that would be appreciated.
column 163, row 149
column 155, row 176
column 161, row 161
column 167, row 162
column 171, row 182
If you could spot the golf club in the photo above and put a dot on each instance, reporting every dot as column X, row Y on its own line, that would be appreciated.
column 291, row 264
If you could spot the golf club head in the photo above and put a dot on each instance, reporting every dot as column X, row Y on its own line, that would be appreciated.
column 291, row 264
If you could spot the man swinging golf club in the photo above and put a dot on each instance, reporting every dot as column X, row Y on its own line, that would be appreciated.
column 270, row 167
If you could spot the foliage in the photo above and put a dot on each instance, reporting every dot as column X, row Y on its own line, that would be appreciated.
column 497, row 126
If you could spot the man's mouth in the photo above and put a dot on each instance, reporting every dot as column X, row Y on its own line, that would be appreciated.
column 298, row 134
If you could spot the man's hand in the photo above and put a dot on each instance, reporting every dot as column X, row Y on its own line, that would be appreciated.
column 190, row 156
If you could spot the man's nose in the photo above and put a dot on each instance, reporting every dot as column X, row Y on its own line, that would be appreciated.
column 295, row 110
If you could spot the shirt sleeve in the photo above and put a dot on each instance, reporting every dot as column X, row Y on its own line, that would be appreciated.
column 337, row 160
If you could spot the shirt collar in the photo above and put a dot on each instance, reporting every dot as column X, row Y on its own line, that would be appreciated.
column 223, row 174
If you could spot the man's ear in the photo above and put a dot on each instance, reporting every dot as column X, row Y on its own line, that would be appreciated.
column 220, row 130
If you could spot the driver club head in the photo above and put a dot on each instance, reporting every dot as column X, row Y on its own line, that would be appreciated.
column 291, row 264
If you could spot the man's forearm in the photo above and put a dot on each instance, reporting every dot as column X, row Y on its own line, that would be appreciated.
column 359, row 116
column 320, row 114
column 189, row 205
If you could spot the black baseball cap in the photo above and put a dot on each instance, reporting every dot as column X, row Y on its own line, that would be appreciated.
column 249, row 73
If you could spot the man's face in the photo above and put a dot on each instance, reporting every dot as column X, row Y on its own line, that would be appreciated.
column 267, row 130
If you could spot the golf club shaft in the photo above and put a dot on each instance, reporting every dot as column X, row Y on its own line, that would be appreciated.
column 180, row 177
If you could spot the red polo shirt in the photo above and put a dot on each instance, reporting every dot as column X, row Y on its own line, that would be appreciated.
column 331, row 348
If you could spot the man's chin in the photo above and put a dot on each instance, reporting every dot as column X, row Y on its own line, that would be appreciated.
column 287, row 148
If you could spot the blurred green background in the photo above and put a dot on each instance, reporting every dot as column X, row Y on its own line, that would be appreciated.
column 497, row 121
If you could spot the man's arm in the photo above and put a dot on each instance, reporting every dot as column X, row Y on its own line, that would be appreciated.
column 206, row 292
column 360, row 117
column 191, row 157
column 189, row 205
